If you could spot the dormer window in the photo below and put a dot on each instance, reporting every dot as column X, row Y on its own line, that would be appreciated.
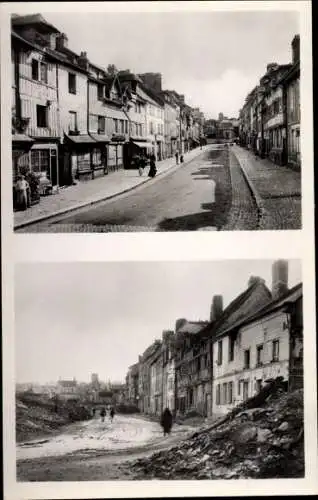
column 100, row 92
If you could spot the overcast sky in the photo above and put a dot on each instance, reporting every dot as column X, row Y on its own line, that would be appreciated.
column 214, row 58
column 73, row 319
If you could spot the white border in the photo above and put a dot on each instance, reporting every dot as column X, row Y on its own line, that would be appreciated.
column 168, row 247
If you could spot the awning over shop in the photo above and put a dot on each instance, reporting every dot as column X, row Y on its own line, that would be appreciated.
column 80, row 139
column 100, row 138
column 22, row 138
column 146, row 145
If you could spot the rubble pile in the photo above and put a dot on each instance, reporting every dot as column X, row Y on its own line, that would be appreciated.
column 36, row 417
column 260, row 442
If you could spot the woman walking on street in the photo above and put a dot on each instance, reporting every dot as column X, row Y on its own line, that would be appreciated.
column 166, row 421
column 112, row 414
column 152, row 170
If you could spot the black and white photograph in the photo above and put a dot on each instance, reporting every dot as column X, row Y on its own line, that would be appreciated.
column 159, row 383
column 158, row 254
column 156, row 121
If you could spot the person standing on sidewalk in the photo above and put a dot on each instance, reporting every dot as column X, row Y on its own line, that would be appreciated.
column 152, row 170
column 177, row 157
column 22, row 189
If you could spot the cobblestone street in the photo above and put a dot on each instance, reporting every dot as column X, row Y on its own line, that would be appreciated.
column 220, row 188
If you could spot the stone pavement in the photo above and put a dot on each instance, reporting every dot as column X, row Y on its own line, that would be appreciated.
column 92, row 191
column 276, row 190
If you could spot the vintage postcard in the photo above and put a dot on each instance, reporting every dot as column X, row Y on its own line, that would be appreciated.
column 176, row 357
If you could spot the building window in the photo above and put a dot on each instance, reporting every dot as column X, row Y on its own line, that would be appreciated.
column 224, row 393
column 238, row 387
column 35, row 69
column 116, row 125
column 220, row 352
column 41, row 116
column 40, row 161
column 43, row 72
column 122, row 126
column 230, row 393
column 198, row 363
column 72, row 83
column 39, row 71
column 275, row 352
column 246, row 358
column 126, row 127
column 231, row 348
column 218, row 394
column 258, row 385
column 245, row 390
column 151, row 128
column 100, row 92
column 101, row 124
column 259, row 355
column 72, row 123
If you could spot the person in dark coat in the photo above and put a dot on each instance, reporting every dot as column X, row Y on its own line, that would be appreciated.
column 166, row 421
column 103, row 414
column 152, row 170
column 112, row 414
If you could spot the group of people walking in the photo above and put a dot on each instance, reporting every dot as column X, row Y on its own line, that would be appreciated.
column 103, row 413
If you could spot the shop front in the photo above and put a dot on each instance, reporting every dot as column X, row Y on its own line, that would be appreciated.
column 21, row 145
column 99, row 153
column 116, row 152
column 78, row 157
column 135, row 147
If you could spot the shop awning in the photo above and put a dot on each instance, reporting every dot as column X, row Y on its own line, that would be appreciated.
column 80, row 139
column 146, row 145
column 118, row 138
column 100, row 138
column 22, row 138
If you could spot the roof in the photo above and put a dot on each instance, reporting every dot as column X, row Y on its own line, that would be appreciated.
column 192, row 327
column 33, row 19
column 151, row 350
column 255, row 296
column 289, row 297
column 291, row 74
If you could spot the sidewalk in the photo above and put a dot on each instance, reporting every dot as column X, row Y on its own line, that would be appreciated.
column 276, row 189
column 92, row 191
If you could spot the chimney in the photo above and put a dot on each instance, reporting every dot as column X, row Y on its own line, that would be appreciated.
column 296, row 48
column 167, row 336
column 254, row 279
column 279, row 278
column 216, row 307
column 271, row 67
column 180, row 322
column 83, row 60
column 61, row 41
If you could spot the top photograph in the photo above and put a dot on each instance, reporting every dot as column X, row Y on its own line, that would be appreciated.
column 155, row 121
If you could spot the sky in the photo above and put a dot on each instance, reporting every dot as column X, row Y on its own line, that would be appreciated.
column 214, row 58
column 75, row 319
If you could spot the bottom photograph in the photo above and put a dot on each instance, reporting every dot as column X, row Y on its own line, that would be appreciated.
column 159, row 370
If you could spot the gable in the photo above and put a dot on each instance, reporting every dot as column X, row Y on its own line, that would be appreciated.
column 250, row 301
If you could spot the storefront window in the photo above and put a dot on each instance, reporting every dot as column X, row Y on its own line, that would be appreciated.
column 40, row 161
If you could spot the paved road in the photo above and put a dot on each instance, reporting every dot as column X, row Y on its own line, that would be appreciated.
column 93, row 450
column 195, row 196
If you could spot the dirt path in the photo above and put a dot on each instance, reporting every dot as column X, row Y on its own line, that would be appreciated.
column 93, row 450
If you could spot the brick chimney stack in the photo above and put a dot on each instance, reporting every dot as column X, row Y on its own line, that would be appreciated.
column 216, row 307
column 61, row 41
column 167, row 336
column 279, row 278
column 152, row 80
column 255, row 279
column 296, row 48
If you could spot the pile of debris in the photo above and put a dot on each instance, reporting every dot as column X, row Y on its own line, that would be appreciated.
column 39, row 416
column 263, row 438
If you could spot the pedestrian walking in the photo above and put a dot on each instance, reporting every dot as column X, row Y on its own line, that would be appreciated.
column 22, row 189
column 103, row 414
column 166, row 421
column 111, row 414
column 94, row 412
column 153, row 169
column 177, row 157
column 181, row 159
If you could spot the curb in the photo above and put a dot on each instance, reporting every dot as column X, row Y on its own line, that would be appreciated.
column 95, row 201
column 253, row 190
